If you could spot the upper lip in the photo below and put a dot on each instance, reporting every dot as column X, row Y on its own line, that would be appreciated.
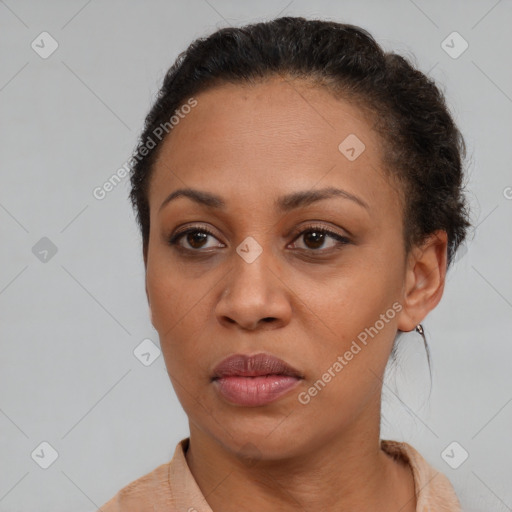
column 253, row 366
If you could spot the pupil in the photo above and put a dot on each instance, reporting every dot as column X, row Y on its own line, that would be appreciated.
column 198, row 236
column 311, row 235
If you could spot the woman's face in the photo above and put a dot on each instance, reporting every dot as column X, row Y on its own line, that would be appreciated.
column 255, row 284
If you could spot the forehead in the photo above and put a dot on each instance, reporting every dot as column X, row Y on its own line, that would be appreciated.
column 269, row 138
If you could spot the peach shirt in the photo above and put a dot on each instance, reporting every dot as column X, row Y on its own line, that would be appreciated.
column 171, row 487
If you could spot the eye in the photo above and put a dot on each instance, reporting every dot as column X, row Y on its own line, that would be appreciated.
column 194, row 236
column 316, row 236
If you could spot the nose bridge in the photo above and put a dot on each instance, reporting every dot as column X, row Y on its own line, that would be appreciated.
column 252, row 291
column 252, row 267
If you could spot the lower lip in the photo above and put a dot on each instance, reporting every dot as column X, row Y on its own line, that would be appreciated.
column 255, row 391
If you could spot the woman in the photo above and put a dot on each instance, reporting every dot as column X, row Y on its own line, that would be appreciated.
column 299, row 194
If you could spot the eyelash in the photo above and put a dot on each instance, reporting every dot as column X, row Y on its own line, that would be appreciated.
column 342, row 240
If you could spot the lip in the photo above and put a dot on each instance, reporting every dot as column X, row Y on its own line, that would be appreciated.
column 256, row 380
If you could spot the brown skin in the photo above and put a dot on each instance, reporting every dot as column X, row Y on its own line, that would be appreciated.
column 250, row 145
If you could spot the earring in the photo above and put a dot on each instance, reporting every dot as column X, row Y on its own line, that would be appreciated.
column 419, row 330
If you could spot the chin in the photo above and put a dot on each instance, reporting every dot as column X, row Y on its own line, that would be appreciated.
column 260, row 438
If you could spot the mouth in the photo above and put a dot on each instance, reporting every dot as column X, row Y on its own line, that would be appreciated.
column 253, row 381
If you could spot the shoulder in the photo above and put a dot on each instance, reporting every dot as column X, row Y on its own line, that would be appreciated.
column 142, row 494
column 434, row 492
column 169, row 487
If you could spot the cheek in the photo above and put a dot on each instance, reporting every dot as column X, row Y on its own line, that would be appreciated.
column 348, row 359
column 348, row 299
column 172, row 295
column 178, row 312
column 354, row 315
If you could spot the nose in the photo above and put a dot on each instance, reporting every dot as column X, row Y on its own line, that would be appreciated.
column 255, row 295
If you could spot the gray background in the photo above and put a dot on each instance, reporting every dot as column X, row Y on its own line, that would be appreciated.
column 69, row 323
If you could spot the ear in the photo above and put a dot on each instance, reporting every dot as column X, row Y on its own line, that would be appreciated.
column 424, row 280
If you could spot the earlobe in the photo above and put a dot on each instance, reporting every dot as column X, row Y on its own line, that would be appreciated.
column 424, row 280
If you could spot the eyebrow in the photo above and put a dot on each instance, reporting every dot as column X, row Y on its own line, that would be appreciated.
column 284, row 203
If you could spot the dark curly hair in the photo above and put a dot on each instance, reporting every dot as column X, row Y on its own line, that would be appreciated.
column 422, row 149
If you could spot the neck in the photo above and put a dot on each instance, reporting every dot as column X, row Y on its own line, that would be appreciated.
column 345, row 472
